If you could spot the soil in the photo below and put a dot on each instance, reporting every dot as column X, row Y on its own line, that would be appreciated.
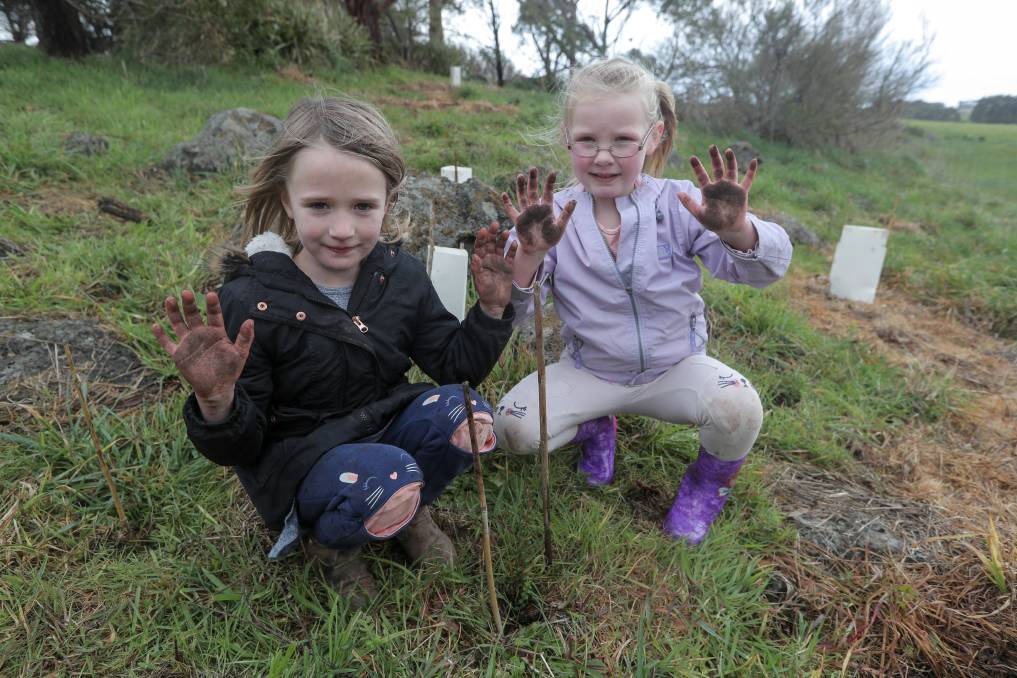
column 34, row 372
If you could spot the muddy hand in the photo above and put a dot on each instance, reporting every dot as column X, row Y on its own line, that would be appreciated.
column 492, row 267
column 536, row 227
column 203, row 353
column 725, row 203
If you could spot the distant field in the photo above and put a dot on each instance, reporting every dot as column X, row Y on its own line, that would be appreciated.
column 190, row 592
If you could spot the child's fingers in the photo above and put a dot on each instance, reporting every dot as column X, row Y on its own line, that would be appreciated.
column 718, row 166
column 521, row 191
column 245, row 337
column 176, row 321
column 531, row 187
column 213, row 310
column 730, row 165
column 164, row 341
column 510, row 256
column 191, row 313
column 750, row 175
column 566, row 214
column 549, row 187
column 690, row 205
column 510, row 209
column 699, row 171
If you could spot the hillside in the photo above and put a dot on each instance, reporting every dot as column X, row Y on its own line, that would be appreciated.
column 859, row 537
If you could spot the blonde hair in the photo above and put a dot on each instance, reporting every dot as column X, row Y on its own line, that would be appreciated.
column 615, row 76
column 343, row 123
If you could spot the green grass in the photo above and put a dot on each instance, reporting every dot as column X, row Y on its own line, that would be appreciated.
column 191, row 591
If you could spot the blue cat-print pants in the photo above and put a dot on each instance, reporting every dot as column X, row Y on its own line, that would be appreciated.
column 352, row 482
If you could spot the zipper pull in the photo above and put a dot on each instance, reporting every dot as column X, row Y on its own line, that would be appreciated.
column 360, row 324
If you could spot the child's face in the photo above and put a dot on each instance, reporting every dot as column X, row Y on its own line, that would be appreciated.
column 337, row 202
column 605, row 121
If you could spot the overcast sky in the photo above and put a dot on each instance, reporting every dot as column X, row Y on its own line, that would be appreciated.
column 972, row 49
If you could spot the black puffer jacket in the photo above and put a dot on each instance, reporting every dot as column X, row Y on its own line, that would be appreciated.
column 318, row 376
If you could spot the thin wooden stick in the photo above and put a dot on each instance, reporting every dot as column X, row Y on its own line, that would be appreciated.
column 488, row 563
column 545, row 462
column 95, row 441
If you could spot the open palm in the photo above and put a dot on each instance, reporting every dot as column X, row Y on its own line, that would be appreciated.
column 203, row 353
column 725, row 202
column 537, row 229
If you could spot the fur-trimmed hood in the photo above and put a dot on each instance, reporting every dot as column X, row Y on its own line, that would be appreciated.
column 230, row 259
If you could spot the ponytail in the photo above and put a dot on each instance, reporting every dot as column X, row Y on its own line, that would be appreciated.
column 654, row 164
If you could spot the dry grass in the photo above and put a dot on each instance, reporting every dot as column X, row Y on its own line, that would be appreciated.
column 943, row 604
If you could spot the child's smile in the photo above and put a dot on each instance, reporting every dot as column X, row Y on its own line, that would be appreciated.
column 605, row 122
column 337, row 202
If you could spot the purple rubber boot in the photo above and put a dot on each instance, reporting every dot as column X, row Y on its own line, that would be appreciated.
column 701, row 495
column 598, row 439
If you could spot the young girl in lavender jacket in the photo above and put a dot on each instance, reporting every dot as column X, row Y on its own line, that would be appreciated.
column 618, row 250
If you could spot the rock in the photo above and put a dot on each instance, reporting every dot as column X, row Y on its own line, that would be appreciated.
column 228, row 139
column 744, row 153
column 799, row 233
column 457, row 212
column 85, row 144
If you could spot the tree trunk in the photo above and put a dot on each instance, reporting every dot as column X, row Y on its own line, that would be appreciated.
column 499, row 64
column 368, row 13
column 435, row 31
column 58, row 26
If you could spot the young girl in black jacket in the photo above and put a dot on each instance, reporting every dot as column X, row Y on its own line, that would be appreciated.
column 299, row 374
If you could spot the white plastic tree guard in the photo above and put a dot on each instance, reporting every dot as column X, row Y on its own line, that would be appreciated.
column 449, row 268
column 457, row 174
column 858, row 262
column 455, row 75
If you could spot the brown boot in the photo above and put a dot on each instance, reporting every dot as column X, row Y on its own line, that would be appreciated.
column 346, row 571
column 423, row 541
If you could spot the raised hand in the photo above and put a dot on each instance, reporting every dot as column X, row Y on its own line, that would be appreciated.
column 492, row 270
column 203, row 353
column 725, row 204
column 536, row 227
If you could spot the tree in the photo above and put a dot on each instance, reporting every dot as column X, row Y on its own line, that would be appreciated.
column 494, row 53
column 928, row 110
column 72, row 29
column 17, row 18
column 997, row 109
column 553, row 28
column 812, row 74
column 368, row 14
column 600, row 37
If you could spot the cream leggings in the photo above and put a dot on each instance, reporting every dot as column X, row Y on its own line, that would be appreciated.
column 699, row 390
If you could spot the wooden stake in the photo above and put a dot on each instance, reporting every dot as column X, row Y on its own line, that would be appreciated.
column 95, row 441
column 545, row 462
column 488, row 564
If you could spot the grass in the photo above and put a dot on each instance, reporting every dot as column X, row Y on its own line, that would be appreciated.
column 190, row 591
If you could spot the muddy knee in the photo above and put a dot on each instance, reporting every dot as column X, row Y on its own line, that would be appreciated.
column 734, row 417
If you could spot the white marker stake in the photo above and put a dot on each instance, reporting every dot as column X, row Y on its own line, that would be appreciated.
column 455, row 74
column 857, row 263
column 457, row 174
column 449, row 267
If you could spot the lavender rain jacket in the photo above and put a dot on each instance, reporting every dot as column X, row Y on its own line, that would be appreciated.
column 629, row 321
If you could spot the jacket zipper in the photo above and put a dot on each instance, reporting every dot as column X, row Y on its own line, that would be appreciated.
column 628, row 289
column 627, row 285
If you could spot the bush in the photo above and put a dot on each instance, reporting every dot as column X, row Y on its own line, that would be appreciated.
column 926, row 110
column 810, row 74
column 223, row 31
column 999, row 109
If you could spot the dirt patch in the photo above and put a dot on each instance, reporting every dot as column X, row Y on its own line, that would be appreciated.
column 441, row 97
column 851, row 520
column 900, row 563
column 648, row 503
column 966, row 462
column 34, row 374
